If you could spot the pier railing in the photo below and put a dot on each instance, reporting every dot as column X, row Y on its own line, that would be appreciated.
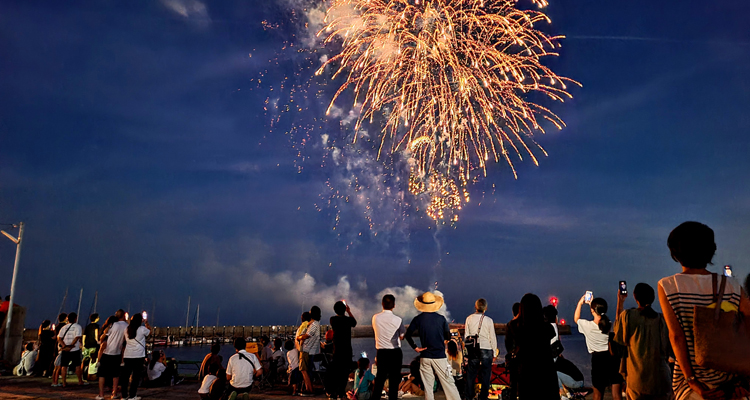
column 183, row 335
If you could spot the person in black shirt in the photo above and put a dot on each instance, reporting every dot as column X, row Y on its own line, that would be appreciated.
column 531, row 335
column 90, row 342
column 44, row 365
column 434, row 333
column 342, row 348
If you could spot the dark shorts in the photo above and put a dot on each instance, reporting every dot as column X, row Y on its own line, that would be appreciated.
column 605, row 370
column 109, row 367
column 295, row 377
column 70, row 358
column 305, row 362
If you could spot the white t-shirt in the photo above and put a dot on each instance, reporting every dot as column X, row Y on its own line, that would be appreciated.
column 115, row 338
column 29, row 359
column 136, row 348
column 69, row 333
column 595, row 340
column 292, row 356
column 155, row 373
column 206, row 385
column 241, row 370
column 388, row 329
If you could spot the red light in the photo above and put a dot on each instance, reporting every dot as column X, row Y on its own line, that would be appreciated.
column 562, row 322
column 553, row 301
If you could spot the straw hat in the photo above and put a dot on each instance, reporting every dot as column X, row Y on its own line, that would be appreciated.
column 428, row 302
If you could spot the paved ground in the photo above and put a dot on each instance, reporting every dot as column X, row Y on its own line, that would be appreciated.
column 24, row 388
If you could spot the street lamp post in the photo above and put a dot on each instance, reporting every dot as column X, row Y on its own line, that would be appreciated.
column 18, row 242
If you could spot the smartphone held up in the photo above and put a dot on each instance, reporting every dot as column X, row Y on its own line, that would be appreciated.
column 623, row 288
column 144, row 315
column 728, row 271
column 588, row 297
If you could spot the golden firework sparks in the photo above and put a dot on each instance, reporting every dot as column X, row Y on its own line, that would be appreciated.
column 450, row 78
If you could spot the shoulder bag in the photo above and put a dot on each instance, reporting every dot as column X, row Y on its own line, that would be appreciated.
column 722, row 338
column 472, row 342
column 66, row 347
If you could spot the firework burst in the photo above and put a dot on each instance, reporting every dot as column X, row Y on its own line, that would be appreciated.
column 449, row 81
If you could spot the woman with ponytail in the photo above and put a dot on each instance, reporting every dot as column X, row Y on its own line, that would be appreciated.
column 604, row 367
column 134, row 355
column 644, row 332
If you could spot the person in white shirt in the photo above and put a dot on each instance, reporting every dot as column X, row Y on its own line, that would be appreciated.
column 70, row 340
column 28, row 358
column 109, row 362
column 480, row 364
column 292, row 358
column 310, row 347
column 389, row 331
column 241, row 368
column 134, row 355
column 278, row 356
column 605, row 369
column 208, row 380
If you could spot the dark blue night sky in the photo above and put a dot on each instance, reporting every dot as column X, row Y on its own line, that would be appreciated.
column 135, row 145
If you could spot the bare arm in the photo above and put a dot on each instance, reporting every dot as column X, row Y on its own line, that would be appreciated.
column 679, row 344
column 577, row 314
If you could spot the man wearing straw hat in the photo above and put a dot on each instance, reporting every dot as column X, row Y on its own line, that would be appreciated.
column 434, row 333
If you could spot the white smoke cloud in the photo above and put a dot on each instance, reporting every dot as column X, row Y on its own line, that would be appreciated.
column 302, row 289
column 193, row 11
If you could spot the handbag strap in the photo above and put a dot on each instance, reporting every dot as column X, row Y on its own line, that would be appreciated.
column 720, row 297
column 480, row 325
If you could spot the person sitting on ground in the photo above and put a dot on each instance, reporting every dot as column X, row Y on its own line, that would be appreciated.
column 456, row 360
column 292, row 357
column 211, row 358
column 242, row 368
column 568, row 377
column 265, row 353
column 28, row 359
column 278, row 356
column 46, row 356
column 208, row 380
column 692, row 245
column 363, row 379
column 413, row 382
column 645, row 334
column 163, row 371
column 70, row 340
column 90, row 343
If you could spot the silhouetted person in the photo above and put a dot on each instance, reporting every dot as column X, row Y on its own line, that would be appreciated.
column 537, row 378
column 341, row 325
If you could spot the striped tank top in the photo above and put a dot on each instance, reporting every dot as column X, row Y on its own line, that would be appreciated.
column 683, row 292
